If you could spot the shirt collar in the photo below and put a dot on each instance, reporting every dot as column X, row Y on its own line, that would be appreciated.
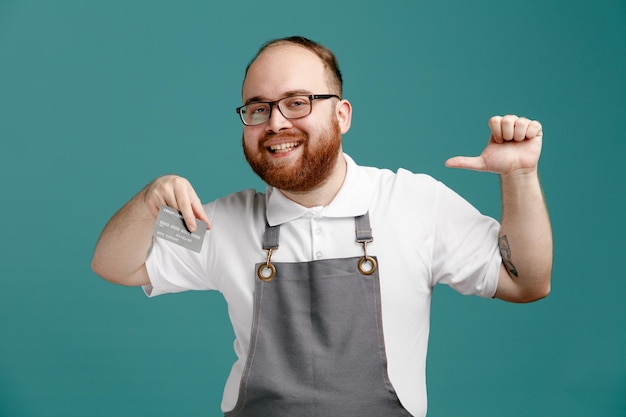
column 353, row 199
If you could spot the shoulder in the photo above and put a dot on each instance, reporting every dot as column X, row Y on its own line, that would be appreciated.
column 403, row 193
column 244, row 199
column 401, row 180
column 246, row 203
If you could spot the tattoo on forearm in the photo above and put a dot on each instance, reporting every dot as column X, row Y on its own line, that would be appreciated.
column 505, row 251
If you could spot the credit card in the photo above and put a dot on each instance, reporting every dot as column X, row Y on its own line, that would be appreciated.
column 171, row 227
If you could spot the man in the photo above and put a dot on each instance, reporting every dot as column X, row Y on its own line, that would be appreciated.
column 328, row 275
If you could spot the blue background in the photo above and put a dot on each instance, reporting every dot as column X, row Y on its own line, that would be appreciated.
column 99, row 97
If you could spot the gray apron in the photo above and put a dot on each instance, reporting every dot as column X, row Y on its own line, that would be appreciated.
column 317, row 346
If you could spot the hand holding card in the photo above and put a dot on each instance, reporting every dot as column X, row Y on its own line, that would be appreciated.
column 171, row 227
column 176, row 192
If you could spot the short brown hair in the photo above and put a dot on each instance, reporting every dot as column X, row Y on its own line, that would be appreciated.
column 335, row 80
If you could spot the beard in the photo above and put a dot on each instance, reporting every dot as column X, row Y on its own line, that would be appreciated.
column 312, row 168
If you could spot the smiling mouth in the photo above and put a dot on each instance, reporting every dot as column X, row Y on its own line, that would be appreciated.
column 283, row 147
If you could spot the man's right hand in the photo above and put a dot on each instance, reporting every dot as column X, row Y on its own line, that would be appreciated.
column 175, row 192
column 121, row 251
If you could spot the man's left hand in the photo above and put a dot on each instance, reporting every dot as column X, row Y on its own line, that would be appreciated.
column 514, row 147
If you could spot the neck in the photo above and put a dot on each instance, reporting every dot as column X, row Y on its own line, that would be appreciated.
column 323, row 194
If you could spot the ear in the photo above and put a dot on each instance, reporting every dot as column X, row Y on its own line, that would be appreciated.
column 343, row 111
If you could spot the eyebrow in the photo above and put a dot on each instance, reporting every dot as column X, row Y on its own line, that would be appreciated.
column 291, row 93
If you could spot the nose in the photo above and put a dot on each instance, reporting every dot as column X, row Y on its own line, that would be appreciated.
column 277, row 121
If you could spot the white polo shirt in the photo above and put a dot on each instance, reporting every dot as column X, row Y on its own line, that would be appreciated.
column 424, row 234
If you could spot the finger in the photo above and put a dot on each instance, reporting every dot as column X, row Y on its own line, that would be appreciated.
column 508, row 127
column 534, row 130
column 177, row 194
column 184, row 206
column 193, row 208
column 189, row 204
column 159, row 192
column 495, row 124
column 199, row 212
column 476, row 163
column 521, row 127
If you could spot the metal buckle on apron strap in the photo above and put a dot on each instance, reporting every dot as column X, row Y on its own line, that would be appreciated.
column 270, row 243
column 364, row 236
column 367, row 260
column 367, row 265
column 263, row 268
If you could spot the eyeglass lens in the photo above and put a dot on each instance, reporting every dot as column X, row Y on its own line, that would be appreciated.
column 290, row 107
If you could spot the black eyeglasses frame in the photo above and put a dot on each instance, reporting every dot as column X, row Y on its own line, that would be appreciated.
column 271, row 104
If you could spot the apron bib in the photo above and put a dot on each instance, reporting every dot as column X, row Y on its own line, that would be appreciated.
column 317, row 346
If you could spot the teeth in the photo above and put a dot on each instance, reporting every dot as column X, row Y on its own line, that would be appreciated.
column 283, row 147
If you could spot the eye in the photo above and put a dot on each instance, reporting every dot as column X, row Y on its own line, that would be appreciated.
column 296, row 102
column 256, row 109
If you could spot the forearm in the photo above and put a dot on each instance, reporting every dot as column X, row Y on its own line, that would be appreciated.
column 123, row 245
column 525, row 238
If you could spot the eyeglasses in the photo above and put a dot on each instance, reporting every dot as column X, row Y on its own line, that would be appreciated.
column 291, row 107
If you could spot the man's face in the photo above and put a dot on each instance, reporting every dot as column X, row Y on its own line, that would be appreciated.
column 291, row 154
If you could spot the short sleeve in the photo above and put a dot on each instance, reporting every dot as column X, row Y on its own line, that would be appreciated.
column 465, row 250
column 172, row 269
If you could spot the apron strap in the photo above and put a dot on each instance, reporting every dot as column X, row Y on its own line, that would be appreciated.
column 367, row 265
column 267, row 271
column 270, row 241
column 363, row 229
